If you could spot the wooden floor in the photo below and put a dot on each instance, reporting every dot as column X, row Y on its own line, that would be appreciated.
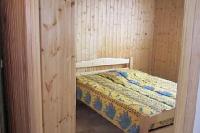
column 88, row 121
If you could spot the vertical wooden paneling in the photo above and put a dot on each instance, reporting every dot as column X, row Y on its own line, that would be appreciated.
column 115, row 28
column 21, row 46
column 147, row 30
column 58, row 66
column 167, row 38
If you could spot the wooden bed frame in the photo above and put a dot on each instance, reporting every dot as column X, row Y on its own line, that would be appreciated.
column 100, row 62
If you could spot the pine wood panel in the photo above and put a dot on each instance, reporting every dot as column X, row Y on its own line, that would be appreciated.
column 34, row 65
column 20, row 40
column 167, row 38
column 58, row 66
column 115, row 28
column 189, row 69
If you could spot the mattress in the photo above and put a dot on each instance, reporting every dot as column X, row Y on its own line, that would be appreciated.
column 124, row 97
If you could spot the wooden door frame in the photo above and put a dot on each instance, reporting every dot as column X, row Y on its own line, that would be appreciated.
column 27, row 70
column 189, row 69
column 2, row 104
column 21, row 52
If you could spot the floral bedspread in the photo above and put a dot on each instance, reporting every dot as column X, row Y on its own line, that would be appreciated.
column 123, row 96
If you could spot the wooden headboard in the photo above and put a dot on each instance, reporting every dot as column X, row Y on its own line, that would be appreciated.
column 105, row 62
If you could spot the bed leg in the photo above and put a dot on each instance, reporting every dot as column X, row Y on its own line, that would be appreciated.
column 145, row 124
column 131, row 62
column 144, row 128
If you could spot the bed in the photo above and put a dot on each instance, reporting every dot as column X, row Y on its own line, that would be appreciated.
column 134, row 101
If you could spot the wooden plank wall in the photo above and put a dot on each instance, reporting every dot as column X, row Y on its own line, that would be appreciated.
column 115, row 28
column 58, row 66
column 167, row 38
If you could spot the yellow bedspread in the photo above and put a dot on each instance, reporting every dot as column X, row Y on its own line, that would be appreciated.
column 123, row 96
